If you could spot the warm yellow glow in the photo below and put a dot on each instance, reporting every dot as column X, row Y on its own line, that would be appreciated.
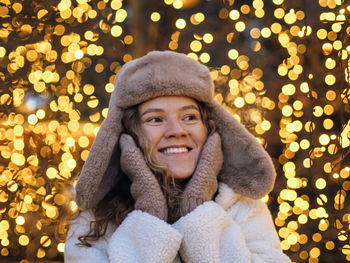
column 116, row 30
column 321, row 184
column 330, row 79
column 60, row 78
column 23, row 240
column 88, row 89
column 240, row 26
column 208, row 38
column 279, row 13
column 116, row 4
column 105, row 112
column 70, row 141
column 78, row 54
column 234, row 14
column 180, row 23
column 318, row 111
column 177, row 4
column 324, row 139
column 2, row 52
column 196, row 45
column 120, row 15
column 40, row 114
column 28, row 199
column 304, row 144
column 304, row 87
column 155, row 16
column 199, row 17
column 287, row 110
column 20, row 220
column 233, row 54
column 204, row 57
column 18, row 159
column 32, row 119
column 288, row 89
column 93, row 102
column 294, row 146
column 60, row 247
column 72, row 163
column 109, row 87
column 239, row 102
column 225, row 69
column 250, row 98
column 51, row 173
column 266, row 32
column 18, row 145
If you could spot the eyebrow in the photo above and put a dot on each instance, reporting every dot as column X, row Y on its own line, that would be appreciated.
column 187, row 107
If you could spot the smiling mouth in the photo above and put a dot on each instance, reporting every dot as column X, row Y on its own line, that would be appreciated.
column 175, row 150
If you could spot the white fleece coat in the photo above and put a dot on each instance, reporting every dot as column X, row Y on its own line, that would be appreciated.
column 233, row 229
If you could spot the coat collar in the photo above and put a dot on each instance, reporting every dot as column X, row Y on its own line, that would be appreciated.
column 226, row 197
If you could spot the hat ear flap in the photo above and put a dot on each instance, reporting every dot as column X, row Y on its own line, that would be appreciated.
column 94, row 182
column 110, row 177
column 247, row 168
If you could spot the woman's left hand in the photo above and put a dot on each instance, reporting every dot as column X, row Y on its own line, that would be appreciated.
column 145, row 188
column 203, row 184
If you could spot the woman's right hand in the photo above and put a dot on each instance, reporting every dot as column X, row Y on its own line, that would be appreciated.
column 145, row 188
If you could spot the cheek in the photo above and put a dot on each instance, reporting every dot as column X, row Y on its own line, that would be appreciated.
column 152, row 134
column 201, row 135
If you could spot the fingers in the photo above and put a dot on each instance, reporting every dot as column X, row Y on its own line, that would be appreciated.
column 131, row 159
column 144, row 189
column 126, row 142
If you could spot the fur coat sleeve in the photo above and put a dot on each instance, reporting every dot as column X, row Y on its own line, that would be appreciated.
column 233, row 229
column 140, row 238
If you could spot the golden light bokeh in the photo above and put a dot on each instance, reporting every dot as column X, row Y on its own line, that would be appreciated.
column 279, row 69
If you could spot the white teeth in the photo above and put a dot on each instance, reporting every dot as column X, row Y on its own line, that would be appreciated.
column 175, row 150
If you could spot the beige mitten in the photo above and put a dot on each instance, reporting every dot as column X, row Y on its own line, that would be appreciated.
column 203, row 184
column 145, row 188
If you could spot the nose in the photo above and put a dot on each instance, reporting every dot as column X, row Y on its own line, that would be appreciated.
column 175, row 129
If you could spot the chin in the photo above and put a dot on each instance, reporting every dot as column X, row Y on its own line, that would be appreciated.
column 181, row 174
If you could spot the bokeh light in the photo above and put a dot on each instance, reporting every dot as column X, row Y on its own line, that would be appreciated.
column 280, row 69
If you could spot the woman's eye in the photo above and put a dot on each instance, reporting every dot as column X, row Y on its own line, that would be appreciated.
column 154, row 119
column 190, row 117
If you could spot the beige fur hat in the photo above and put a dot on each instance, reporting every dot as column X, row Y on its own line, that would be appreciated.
column 247, row 168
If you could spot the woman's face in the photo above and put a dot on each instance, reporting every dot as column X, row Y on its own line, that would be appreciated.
column 174, row 128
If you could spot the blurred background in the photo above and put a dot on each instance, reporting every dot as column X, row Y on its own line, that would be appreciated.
column 281, row 67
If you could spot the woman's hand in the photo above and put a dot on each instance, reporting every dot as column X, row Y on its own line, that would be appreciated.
column 145, row 188
column 203, row 184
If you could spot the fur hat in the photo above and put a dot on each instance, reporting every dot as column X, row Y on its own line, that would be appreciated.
column 247, row 168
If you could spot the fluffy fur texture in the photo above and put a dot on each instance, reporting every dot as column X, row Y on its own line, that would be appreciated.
column 144, row 188
column 162, row 74
column 231, row 229
column 203, row 183
column 247, row 167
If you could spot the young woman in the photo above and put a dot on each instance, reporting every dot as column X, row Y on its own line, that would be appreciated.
column 172, row 176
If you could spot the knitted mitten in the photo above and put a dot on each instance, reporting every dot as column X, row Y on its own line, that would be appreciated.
column 144, row 189
column 203, row 184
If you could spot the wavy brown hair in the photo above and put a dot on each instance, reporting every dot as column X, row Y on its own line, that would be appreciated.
column 118, row 202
